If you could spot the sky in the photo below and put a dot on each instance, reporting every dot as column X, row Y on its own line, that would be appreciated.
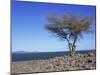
column 29, row 34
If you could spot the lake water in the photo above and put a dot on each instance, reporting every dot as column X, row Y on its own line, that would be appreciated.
column 41, row 55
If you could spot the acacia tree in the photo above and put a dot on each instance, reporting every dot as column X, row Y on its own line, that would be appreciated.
column 69, row 28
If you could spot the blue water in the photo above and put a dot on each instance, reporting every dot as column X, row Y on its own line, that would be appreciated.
column 41, row 55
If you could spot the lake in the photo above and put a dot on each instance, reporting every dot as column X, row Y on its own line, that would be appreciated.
column 41, row 55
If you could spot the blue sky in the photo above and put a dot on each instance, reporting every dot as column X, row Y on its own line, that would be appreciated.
column 29, row 34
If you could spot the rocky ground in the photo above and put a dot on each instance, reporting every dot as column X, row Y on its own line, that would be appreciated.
column 65, row 63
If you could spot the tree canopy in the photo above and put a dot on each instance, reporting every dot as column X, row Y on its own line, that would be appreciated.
column 69, row 27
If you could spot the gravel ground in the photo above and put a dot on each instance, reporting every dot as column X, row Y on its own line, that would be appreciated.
column 65, row 63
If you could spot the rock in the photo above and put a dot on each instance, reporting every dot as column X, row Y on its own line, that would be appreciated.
column 63, row 63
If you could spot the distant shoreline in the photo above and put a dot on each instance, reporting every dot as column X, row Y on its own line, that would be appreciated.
column 51, row 51
column 16, row 57
column 86, row 61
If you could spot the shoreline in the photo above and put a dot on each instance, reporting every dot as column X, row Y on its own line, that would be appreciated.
column 86, row 61
column 17, row 57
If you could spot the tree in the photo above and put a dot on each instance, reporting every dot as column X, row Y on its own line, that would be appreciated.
column 69, row 28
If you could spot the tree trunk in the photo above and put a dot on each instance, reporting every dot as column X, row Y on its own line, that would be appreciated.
column 73, row 47
column 69, row 45
column 70, row 48
column 73, row 50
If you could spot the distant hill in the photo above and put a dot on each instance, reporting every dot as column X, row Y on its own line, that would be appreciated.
column 24, row 52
